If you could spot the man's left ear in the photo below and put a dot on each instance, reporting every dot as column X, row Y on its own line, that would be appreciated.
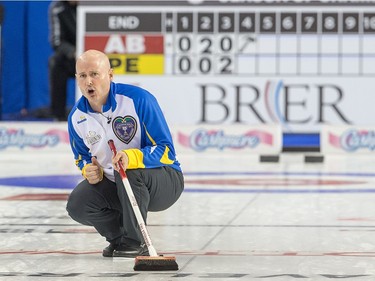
column 111, row 73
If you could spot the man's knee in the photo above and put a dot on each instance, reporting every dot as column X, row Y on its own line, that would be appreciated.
column 77, row 202
column 74, row 207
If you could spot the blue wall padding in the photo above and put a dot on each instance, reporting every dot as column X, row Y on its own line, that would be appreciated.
column 14, row 69
column 24, row 77
column 38, row 51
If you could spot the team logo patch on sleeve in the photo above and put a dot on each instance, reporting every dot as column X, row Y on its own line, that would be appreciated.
column 124, row 128
column 92, row 137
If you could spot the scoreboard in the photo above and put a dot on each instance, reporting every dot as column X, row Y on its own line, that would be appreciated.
column 301, row 64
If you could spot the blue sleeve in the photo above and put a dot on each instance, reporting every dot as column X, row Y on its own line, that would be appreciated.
column 80, row 150
column 156, row 143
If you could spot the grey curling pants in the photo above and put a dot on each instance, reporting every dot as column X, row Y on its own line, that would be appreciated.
column 107, row 208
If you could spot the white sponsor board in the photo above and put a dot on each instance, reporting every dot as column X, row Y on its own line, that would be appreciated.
column 347, row 140
column 296, row 104
column 34, row 137
column 240, row 62
column 228, row 140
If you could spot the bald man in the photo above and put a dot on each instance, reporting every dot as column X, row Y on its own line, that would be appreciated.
column 130, row 116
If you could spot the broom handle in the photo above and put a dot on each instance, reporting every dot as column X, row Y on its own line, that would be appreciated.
column 134, row 204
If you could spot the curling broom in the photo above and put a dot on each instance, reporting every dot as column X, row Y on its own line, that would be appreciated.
column 154, row 262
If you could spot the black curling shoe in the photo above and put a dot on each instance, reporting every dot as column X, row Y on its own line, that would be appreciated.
column 125, row 251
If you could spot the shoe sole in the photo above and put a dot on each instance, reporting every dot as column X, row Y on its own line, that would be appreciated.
column 124, row 256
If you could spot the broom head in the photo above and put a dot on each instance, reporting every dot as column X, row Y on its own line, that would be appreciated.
column 158, row 263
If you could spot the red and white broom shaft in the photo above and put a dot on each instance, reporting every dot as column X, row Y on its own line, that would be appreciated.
column 133, row 201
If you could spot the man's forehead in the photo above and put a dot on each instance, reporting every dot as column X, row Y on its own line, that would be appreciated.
column 87, row 70
column 91, row 65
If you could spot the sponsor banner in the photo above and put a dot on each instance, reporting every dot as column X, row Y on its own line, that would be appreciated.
column 34, row 137
column 347, row 140
column 44, row 137
column 227, row 140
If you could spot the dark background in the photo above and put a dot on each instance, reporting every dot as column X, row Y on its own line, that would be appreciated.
column 24, row 59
